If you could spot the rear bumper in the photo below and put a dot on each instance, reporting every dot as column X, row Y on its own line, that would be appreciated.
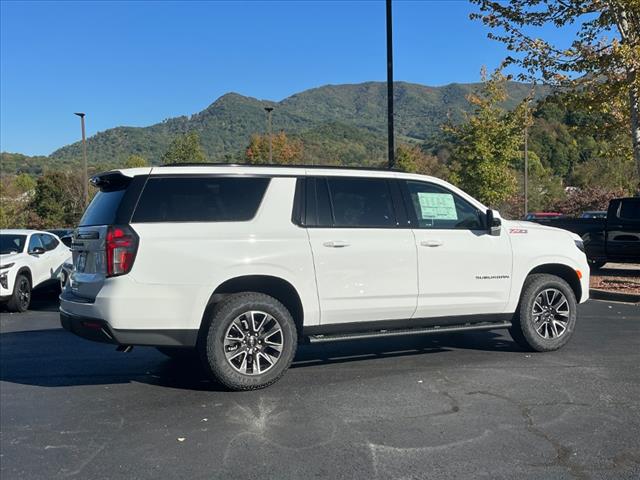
column 99, row 330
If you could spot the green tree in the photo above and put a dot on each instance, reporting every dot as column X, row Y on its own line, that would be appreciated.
column 602, row 63
column 57, row 201
column 25, row 183
column 487, row 144
column 185, row 149
column 285, row 151
column 135, row 161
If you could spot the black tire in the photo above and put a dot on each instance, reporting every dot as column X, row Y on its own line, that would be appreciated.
column 529, row 333
column 596, row 264
column 179, row 353
column 234, row 310
column 21, row 296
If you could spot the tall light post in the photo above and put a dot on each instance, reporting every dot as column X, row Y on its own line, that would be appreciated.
column 269, row 110
column 390, row 140
column 526, row 159
column 85, row 179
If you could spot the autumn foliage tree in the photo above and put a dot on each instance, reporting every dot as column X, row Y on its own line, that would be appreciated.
column 285, row 150
column 600, row 66
column 412, row 159
column 485, row 147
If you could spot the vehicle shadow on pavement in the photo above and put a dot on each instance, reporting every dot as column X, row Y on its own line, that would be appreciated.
column 56, row 358
column 44, row 299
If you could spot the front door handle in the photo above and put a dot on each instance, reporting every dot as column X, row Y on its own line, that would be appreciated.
column 431, row 243
column 336, row 244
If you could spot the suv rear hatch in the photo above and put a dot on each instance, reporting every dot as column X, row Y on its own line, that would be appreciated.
column 109, row 212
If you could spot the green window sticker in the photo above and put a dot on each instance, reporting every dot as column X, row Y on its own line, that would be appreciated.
column 437, row 206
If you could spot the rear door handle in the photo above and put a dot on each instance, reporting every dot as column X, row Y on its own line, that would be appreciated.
column 336, row 244
column 431, row 243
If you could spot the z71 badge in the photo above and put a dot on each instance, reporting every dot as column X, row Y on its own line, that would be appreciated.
column 518, row 230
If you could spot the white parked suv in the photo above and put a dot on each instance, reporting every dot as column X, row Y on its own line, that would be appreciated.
column 28, row 259
column 241, row 263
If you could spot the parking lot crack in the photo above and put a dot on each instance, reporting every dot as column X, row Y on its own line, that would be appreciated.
column 563, row 453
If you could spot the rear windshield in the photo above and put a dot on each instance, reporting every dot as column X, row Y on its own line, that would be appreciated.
column 102, row 209
column 201, row 199
column 630, row 209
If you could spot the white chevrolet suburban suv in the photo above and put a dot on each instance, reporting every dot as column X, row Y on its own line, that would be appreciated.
column 241, row 263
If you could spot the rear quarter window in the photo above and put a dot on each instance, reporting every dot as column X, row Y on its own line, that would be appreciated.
column 200, row 199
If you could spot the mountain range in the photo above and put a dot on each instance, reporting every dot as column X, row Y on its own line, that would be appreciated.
column 337, row 123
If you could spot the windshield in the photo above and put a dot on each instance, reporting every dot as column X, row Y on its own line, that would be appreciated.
column 12, row 243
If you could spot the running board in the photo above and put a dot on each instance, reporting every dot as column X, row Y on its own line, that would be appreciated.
column 340, row 337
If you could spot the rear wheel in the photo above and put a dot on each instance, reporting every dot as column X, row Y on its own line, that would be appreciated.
column 596, row 264
column 21, row 297
column 249, row 341
column 546, row 316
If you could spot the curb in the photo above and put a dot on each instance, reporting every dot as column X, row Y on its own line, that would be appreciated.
column 597, row 294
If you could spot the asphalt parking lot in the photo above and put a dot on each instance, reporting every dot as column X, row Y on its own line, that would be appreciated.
column 466, row 406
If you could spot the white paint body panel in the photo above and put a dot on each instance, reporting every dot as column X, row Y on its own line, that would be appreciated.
column 462, row 272
column 372, row 277
column 383, row 274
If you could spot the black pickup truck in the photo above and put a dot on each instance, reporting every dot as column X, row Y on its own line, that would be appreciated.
column 612, row 239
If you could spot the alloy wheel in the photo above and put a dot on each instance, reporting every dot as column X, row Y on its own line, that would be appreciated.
column 253, row 342
column 550, row 313
column 24, row 293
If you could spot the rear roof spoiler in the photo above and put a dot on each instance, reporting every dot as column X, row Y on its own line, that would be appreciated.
column 113, row 180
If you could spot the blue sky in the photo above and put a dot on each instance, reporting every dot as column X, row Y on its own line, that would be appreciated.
column 137, row 63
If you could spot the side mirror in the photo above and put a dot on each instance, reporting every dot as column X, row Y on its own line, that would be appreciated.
column 37, row 251
column 494, row 223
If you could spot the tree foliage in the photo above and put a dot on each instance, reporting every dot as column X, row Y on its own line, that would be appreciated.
column 57, row 200
column 412, row 159
column 285, row 150
column 487, row 145
column 184, row 148
column 135, row 161
column 601, row 64
column 588, row 198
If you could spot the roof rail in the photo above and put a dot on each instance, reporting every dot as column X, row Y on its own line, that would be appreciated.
column 277, row 165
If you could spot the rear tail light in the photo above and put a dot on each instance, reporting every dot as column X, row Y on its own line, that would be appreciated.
column 121, row 248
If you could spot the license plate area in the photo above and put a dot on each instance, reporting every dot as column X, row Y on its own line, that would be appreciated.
column 81, row 263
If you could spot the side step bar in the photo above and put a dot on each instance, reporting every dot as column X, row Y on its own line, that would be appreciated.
column 341, row 337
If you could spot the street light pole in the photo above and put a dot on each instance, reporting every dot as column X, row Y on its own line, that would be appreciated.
column 526, row 159
column 85, row 179
column 390, row 140
column 269, row 110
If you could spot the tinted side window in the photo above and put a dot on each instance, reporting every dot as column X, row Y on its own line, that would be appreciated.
column 34, row 242
column 361, row 202
column 630, row 209
column 438, row 208
column 49, row 242
column 318, row 208
column 200, row 199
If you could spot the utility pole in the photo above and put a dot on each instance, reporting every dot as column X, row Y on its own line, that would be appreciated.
column 85, row 179
column 269, row 110
column 390, row 139
column 526, row 159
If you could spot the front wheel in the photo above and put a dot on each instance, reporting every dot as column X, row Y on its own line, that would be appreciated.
column 596, row 264
column 546, row 316
column 21, row 297
column 249, row 341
